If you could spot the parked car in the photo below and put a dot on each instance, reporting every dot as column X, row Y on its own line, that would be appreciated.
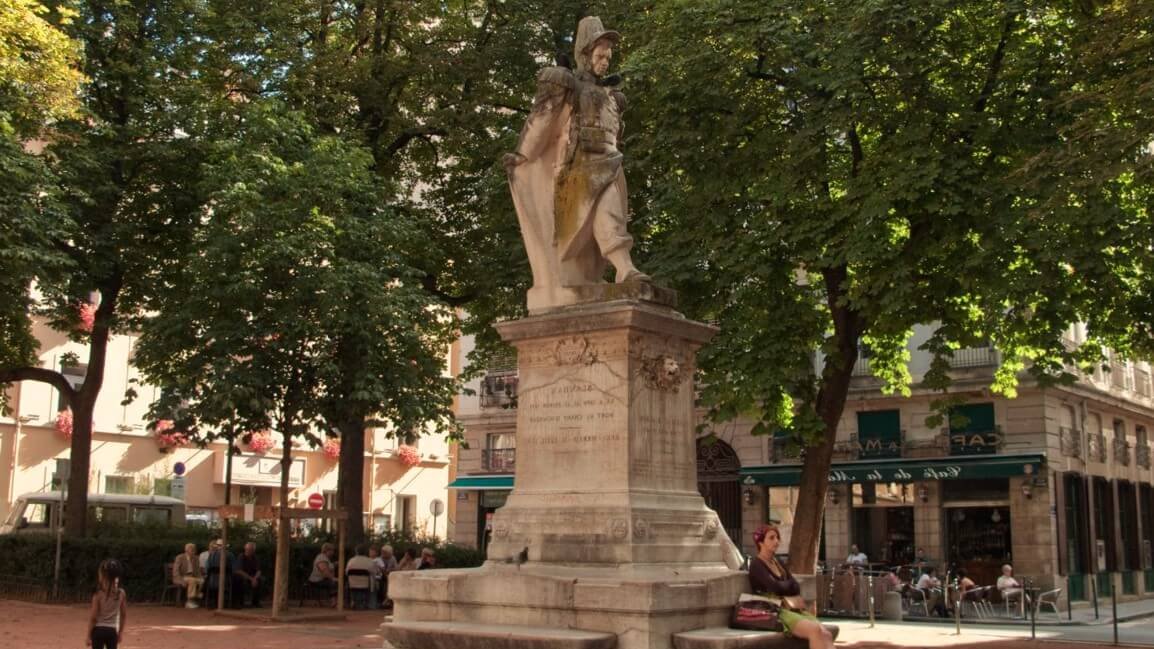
column 36, row 512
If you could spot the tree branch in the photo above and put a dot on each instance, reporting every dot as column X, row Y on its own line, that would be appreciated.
column 408, row 135
column 855, row 148
column 996, row 62
column 51, row 377
column 429, row 282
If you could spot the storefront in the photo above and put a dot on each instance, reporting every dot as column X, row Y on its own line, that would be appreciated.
column 491, row 491
column 972, row 493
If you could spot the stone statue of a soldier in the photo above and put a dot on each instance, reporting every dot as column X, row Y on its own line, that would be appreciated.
column 566, row 175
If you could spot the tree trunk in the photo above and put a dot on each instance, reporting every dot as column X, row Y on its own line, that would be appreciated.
column 280, row 579
column 351, row 477
column 805, row 537
column 83, row 405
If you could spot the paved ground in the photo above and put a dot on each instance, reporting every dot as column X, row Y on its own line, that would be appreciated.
column 39, row 626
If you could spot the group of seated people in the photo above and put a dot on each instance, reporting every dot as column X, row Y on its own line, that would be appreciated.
column 200, row 574
column 377, row 562
column 1007, row 586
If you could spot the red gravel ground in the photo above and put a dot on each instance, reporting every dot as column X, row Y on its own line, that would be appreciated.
column 39, row 626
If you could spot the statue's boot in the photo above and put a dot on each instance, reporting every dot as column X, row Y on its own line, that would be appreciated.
column 623, row 264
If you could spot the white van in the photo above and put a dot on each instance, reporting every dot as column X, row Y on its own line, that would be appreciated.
column 36, row 512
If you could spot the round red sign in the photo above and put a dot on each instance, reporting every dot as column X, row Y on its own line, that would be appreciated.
column 316, row 501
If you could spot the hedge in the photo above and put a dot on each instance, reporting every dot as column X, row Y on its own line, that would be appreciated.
column 143, row 550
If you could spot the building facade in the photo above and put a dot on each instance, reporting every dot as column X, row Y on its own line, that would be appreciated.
column 1056, row 482
column 126, row 457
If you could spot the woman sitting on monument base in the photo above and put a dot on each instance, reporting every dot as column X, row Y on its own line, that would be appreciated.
column 768, row 577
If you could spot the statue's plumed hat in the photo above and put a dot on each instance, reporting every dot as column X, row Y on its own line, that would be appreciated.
column 589, row 31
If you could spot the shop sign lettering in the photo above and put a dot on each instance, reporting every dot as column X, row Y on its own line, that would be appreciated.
column 895, row 475
column 975, row 443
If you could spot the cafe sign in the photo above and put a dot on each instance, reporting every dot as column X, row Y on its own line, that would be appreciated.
column 905, row 470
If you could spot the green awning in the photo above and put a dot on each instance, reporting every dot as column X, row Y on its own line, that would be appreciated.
column 906, row 470
column 482, row 482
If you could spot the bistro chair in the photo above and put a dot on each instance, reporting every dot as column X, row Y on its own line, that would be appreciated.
column 360, row 587
column 978, row 599
column 919, row 597
column 170, row 585
column 1049, row 599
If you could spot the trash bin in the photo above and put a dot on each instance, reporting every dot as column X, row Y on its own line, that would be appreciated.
column 892, row 606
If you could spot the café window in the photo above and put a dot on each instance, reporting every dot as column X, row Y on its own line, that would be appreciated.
column 119, row 484
column 972, row 430
column 879, row 434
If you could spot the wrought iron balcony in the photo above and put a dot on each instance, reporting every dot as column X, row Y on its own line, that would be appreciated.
column 974, row 357
column 499, row 391
column 499, row 460
column 1142, row 456
column 1097, row 444
column 1071, row 442
column 1121, row 451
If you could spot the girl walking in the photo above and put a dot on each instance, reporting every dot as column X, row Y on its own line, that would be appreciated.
column 109, row 608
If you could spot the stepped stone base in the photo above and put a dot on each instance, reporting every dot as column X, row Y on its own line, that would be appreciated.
column 457, row 635
column 641, row 607
column 726, row 638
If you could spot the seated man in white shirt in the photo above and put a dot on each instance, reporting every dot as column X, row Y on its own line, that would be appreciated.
column 929, row 584
column 856, row 557
column 1011, row 589
column 359, row 585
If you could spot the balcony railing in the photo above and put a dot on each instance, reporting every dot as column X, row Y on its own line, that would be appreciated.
column 1097, row 445
column 1071, row 442
column 1121, row 451
column 499, row 460
column 499, row 391
column 1142, row 456
column 974, row 357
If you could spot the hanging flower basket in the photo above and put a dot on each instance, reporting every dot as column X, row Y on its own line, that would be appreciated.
column 87, row 314
column 167, row 437
column 64, row 423
column 261, row 442
column 332, row 448
column 408, row 455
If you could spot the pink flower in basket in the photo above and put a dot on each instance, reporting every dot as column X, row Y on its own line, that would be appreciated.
column 64, row 423
column 408, row 455
column 332, row 448
column 167, row 437
column 261, row 442
column 87, row 313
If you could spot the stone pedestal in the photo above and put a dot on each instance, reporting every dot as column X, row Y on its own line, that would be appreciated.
column 604, row 529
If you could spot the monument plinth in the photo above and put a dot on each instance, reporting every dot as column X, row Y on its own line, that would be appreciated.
column 604, row 530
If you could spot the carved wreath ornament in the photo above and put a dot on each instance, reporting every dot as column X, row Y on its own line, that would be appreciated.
column 574, row 351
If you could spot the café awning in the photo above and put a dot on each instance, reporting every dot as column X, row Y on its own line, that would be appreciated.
column 482, row 482
column 903, row 470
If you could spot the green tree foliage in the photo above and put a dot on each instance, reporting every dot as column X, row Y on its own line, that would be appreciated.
column 123, row 200
column 301, row 311
column 39, row 83
column 816, row 176
column 39, row 77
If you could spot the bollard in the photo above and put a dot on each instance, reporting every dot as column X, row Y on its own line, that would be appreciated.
column 870, row 586
column 1094, row 592
column 1114, row 607
column 1069, row 599
column 957, row 607
column 1033, row 611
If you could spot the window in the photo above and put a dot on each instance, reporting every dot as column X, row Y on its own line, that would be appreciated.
column 972, row 430
column 879, row 434
column 119, row 484
column 1140, row 436
column 154, row 515
column 74, row 374
column 1119, row 429
column 36, row 515
column 162, row 486
column 110, row 513
column 500, row 452
column 382, row 523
